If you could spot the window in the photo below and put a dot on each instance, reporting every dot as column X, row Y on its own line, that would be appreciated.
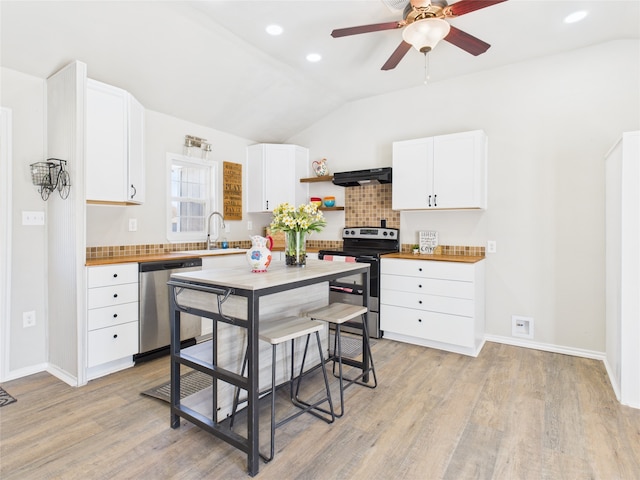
column 191, row 197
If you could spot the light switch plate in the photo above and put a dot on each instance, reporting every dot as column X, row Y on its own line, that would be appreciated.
column 491, row 246
column 32, row 218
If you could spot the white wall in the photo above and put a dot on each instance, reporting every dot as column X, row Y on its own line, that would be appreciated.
column 549, row 123
column 25, row 96
column 109, row 225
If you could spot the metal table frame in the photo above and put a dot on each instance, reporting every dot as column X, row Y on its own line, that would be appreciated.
column 250, row 383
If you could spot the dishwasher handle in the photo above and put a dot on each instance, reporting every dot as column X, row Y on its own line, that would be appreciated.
column 169, row 265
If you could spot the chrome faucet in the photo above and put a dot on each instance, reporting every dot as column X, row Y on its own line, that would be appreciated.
column 209, row 227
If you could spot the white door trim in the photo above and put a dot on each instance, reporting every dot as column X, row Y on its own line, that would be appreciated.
column 5, row 237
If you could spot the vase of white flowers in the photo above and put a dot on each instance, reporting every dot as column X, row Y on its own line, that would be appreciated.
column 297, row 223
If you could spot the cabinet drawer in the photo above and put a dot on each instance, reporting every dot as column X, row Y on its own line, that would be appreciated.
column 431, row 286
column 114, row 295
column 112, row 343
column 106, row 275
column 433, row 303
column 428, row 269
column 112, row 315
column 438, row 327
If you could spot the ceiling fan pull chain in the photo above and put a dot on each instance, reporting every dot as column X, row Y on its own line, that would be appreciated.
column 426, row 68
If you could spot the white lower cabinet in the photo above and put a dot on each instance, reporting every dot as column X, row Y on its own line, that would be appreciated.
column 112, row 318
column 433, row 303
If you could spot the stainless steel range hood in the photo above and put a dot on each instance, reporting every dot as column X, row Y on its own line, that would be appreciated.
column 363, row 177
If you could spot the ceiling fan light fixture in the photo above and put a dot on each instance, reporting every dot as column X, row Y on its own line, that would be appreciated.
column 425, row 34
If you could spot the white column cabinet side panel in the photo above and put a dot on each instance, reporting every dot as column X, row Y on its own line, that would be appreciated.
column 622, row 258
column 273, row 176
column 442, row 172
column 66, row 307
column 434, row 304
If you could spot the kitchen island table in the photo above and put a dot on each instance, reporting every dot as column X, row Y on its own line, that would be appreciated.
column 206, row 293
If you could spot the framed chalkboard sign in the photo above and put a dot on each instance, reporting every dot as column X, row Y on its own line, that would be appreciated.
column 232, row 190
column 428, row 241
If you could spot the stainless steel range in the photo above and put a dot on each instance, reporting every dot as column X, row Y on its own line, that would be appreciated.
column 362, row 244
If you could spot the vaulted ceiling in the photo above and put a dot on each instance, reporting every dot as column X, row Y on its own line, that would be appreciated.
column 212, row 63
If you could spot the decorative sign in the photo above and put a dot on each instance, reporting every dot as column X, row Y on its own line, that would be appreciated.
column 428, row 241
column 232, row 190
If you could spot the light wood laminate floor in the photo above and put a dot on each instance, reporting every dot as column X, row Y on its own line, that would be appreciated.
column 511, row 413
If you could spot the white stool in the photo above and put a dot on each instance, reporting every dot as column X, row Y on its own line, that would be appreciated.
column 338, row 314
column 277, row 332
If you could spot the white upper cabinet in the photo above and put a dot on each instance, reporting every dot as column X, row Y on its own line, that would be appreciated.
column 442, row 172
column 273, row 176
column 115, row 146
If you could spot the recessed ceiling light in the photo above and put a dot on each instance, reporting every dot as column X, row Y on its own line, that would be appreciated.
column 314, row 57
column 576, row 16
column 274, row 29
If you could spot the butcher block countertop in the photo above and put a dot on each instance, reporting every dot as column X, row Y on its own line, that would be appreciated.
column 439, row 258
column 158, row 257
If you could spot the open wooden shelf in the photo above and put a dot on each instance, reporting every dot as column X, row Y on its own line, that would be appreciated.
column 324, row 178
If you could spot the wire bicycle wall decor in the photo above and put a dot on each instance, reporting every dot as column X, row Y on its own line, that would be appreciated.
column 51, row 175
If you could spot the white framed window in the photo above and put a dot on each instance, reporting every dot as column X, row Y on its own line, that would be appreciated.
column 191, row 196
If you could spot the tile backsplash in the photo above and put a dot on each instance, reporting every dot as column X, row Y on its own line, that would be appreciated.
column 367, row 205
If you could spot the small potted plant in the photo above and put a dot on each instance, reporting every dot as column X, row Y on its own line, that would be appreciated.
column 416, row 249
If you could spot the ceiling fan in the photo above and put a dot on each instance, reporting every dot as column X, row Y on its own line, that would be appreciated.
column 425, row 25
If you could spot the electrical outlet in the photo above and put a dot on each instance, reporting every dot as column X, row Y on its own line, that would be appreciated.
column 32, row 218
column 491, row 246
column 249, row 225
column 521, row 326
column 133, row 224
column 28, row 319
column 227, row 228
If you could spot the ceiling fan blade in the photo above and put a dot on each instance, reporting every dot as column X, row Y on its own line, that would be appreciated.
column 396, row 56
column 376, row 27
column 466, row 41
column 466, row 6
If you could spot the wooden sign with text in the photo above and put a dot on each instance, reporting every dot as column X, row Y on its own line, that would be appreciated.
column 232, row 190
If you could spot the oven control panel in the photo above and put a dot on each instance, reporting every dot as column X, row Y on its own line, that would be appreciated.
column 374, row 233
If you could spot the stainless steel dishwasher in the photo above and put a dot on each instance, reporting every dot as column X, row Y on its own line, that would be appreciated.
column 154, row 338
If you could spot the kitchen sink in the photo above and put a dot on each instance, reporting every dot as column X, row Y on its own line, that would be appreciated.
column 214, row 251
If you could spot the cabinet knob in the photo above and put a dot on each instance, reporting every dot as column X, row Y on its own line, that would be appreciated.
column 419, row 269
column 420, row 302
column 115, row 295
column 419, row 286
column 115, row 315
column 115, row 335
column 115, row 275
column 419, row 320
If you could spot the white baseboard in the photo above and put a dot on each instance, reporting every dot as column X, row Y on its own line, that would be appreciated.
column 547, row 347
column 62, row 375
column 612, row 379
column 24, row 372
